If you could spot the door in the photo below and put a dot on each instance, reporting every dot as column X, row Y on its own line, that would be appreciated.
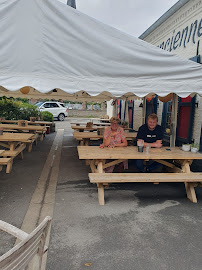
column 186, row 110
column 55, row 109
column 151, row 107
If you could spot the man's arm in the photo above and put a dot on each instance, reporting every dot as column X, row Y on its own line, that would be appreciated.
column 156, row 144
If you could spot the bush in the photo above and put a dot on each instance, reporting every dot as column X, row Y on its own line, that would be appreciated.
column 47, row 116
column 16, row 110
column 9, row 109
column 28, row 110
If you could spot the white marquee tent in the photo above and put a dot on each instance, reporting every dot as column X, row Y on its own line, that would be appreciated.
column 46, row 44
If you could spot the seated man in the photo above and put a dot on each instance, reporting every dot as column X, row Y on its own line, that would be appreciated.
column 152, row 135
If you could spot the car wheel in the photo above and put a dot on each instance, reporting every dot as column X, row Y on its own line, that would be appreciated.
column 61, row 117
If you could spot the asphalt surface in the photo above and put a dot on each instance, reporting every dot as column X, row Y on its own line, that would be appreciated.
column 141, row 226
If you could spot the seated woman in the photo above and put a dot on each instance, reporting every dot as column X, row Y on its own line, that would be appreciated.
column 114, row 136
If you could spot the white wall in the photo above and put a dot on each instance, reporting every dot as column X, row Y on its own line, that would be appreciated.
column 169, row 34
column 190, row 15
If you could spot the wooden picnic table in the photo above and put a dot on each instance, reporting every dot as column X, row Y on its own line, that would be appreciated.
column 12, row 140
column 86, row 137
column 16, row 143
column 175, row 159
column 93, row 128
column 41, row 123
column 30, row 128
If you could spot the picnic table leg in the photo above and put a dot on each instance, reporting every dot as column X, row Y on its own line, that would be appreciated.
column 191, row 194
column 1, row 167
column 30, row 147
column 9, row 166
column 22, row 155
column 81, row 143
column 92, row 166
column 41, row 137
column 101, row 198
column 86, row 141
column 12, row 146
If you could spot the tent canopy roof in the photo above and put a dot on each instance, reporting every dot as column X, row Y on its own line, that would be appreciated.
column 49, row 45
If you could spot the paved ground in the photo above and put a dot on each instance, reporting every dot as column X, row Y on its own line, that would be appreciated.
column 142, row 226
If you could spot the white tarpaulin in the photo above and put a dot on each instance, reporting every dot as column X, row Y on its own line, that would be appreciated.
column 46, row 44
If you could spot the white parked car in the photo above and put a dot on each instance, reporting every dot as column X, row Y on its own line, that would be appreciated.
column 58, row 109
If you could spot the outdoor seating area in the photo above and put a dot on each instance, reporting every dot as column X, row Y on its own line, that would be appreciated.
column 118, row 185
column 16, row 136
column 175, row 161
column 125, row 195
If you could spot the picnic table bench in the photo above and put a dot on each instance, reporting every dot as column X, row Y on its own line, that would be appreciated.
column 175, row 159
column 5, row 161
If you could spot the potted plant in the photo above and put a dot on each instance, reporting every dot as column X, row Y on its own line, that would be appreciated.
column 194, row 147
column 124, row 124
column 186, row 147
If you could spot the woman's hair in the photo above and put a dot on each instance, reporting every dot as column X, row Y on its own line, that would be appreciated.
column 114, row 119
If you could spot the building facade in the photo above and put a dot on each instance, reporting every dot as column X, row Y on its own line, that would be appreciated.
column 179, row 31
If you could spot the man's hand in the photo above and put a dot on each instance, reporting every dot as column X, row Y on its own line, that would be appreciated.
column 158, row 144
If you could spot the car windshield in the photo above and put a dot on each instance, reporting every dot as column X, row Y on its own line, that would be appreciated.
column 62, row 104
column 39, row 104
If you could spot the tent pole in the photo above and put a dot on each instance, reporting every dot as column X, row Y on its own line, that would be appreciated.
column 174, row 120
column 144, row 110
column 126, row 112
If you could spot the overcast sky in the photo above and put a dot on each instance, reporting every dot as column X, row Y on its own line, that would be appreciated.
column 130, row 16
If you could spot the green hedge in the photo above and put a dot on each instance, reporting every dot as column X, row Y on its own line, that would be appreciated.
column 16, row 110
column 47, row 116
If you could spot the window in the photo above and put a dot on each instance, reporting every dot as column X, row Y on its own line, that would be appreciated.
column 54, row 105
column 46, row 105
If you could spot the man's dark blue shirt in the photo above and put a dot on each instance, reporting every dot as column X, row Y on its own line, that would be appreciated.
column 150, row 136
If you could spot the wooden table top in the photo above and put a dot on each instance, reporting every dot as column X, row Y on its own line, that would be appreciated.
column 93, row 135
column 15, row 137
column 29, row 122
column 28, row 127
column 131, row 152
